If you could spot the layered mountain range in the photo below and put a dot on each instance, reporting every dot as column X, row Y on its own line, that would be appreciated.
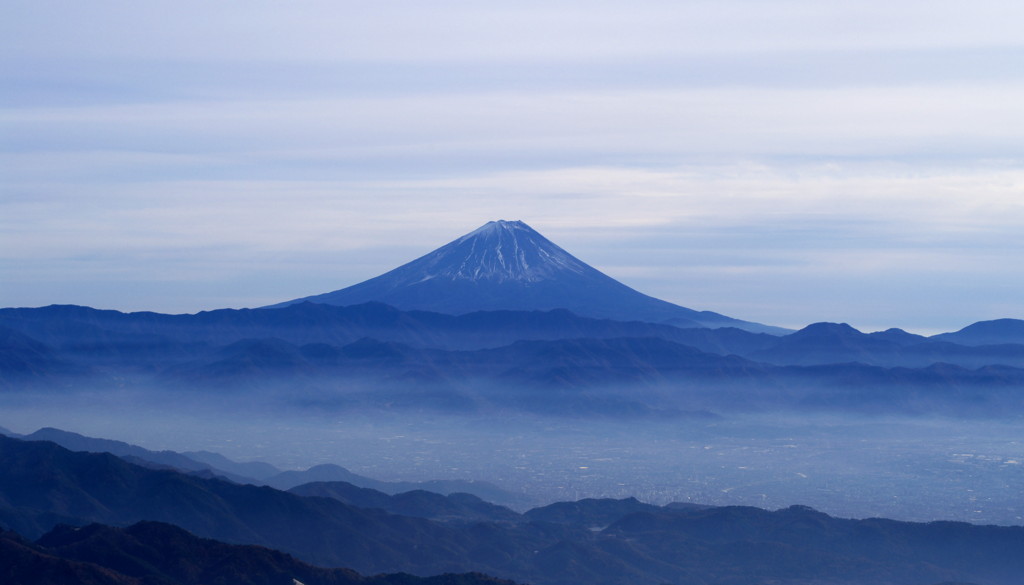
column 511, row 359
column 498, row 319
column 206, row 464
column 97, row 518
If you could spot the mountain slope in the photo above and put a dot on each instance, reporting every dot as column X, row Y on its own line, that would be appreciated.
column 259, row 473
column 155, row 552
column 77, row 442
column 994, row 332
column 23, row 563
column 506, row 265
column 44, row 485
column 603, row 542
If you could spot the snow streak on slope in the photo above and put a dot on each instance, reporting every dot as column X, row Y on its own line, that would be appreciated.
column 499, row 251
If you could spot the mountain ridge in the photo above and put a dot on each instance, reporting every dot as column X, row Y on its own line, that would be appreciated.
column 604, row 542
column 207, row 464
column 151, row 553
column 438, row 362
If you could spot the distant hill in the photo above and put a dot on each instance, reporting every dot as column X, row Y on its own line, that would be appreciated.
column 507, row 265
column 257, row 470
column 835, row 343
column 419, row 503
column 329, row 475
column 591, row 513
column 995, row 332
column 77, row 442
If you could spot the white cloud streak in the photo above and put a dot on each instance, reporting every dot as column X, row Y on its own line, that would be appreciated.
column 970, row 122
column 462, row 30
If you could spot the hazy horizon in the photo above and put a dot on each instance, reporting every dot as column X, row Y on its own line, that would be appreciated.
column 907, row 468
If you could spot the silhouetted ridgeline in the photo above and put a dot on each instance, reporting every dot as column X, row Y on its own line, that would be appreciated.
column 374, row 355
column 592, row 541
column 153, row 552
column 206, row 464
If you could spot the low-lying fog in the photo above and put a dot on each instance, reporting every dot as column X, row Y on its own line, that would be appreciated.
column 903, row 468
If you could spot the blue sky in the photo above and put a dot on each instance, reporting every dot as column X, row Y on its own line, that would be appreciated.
column 779, row 161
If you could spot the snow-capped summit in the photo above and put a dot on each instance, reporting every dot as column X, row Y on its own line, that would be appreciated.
column 499, row 251
column 507, row 265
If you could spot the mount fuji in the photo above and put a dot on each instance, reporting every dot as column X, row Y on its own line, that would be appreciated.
column 507, row 265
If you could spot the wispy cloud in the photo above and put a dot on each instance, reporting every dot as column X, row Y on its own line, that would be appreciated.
column 784, row 161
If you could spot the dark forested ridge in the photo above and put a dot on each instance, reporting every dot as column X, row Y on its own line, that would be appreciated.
column 591, row 541
column 157, row 553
